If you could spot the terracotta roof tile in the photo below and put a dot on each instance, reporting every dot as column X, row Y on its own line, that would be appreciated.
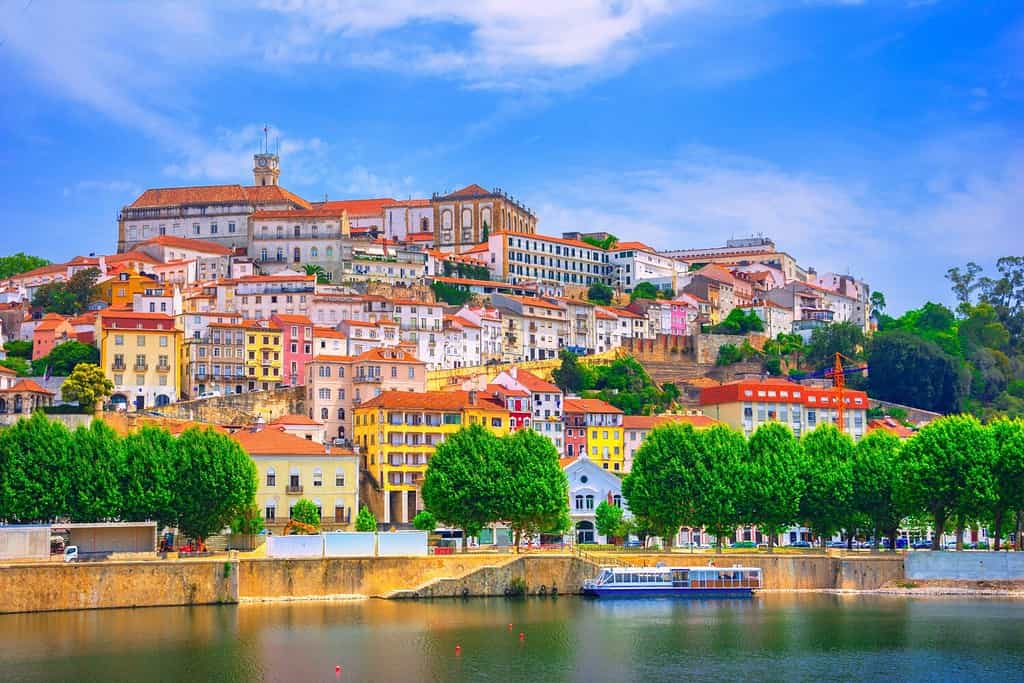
column 357, row 207
column 534, row 383
column 296, row 420
column 652, row 421
column 185, row 243
column 202, row 194
column 589, row 405
column 274, row 441
column 432, row 400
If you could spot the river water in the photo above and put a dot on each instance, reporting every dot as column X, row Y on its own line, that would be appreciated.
column 774, row 636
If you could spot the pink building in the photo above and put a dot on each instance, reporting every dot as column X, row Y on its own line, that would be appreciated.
column 52, row 330
column 297, row 342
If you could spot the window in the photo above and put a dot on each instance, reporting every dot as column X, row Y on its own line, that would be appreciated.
column 195, row 228
column 590, row 501
column 412, row 373
column 324, row 394
column 213, row 228
column 339, row 478
column 163, row 342
column 271, row 477
column 314, row 252
column 231, row 227
column 579, row 502
column 270, row 512
column 118, row 340
column 318, row 477
column 140, row 340
column 324, row 414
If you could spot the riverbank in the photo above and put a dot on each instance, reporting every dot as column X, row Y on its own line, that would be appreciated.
column 51, row 586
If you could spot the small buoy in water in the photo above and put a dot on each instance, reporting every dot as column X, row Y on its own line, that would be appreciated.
column 458, row 650
column 522, row 636
column 510, row 627
column 337, row 669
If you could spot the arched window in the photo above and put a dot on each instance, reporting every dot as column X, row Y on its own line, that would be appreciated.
column 318, row 477
column 590, row 502
column 313, row 252
column 341, row 413
column 280, row 253
column 263, row 254
column 280, row 231
column 329, row 252
column 298, row 231
column 446, row 220
column 297, row 254
column 263, row 231
column 324, row 413
column 424, row 224
column 579, row 502
column 271, row 477
column 315, row 231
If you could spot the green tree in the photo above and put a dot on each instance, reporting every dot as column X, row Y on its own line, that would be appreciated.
column 600, row 293
column 305, row 511
column 878, row 301
column 318, row 270
column 215, row 481
column 64, row 357
column 19, row 263
column 721, row 480
column 845, row 338
column 485, row 232
column 947, row 472
column 451, row 294
column 981, row 328
column 606, row 243
column 609, row 521
column 877, row 471
column 739, row 321
column 532, row 490
column 18, row 349
column 248, row 522
column 70, row 297
column 95, row 462
column 87, row 385
column 365, row 521
column 33, row 470
column 775, row 485
column 1008, row 472
column 644, row 290
column 914, row 371
column 460, row 484
column 19, row 365
column 728, row 354
column 827, row 480
column 661, row 487
column 425, row 521
column 964, row 282
column 571, row 377
column 148, row 476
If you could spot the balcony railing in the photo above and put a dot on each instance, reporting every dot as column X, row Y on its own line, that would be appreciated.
column 140, row 367
column 163, row 367
column 294, row 490
column 118, row 365
column 367, row 379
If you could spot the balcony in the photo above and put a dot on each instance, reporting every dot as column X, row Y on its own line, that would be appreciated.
column 163, row 367
column 140, row 367
column 294, row 490
column 118, row 365
column 366, row 379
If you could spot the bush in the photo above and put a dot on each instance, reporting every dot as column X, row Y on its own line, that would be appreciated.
column 365, row 521
column 424, row 521
column 516, row 587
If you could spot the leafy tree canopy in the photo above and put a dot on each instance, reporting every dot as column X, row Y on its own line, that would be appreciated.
column 64, row 357
column 644, row 290
column 87, row 385
column 600, row 293
column 365, row 521
column 19, row 263
column 451, row 294
column 305, row 511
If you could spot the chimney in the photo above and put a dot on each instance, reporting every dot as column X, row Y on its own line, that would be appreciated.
column 472, row 397
column 514, row 372
column 327, row 448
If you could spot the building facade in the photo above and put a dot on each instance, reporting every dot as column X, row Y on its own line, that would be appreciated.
column 139, row 353
column 467, row 217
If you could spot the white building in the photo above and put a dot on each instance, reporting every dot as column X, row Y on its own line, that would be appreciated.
column 402, row 219
column 634, row 262
column 589, row 486
column 546, row 402
column 282, row 240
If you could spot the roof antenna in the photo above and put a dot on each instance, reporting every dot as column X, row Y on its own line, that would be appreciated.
column 277, row 145
column 266, row 138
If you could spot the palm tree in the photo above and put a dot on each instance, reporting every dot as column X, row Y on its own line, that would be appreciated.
column 314, row 269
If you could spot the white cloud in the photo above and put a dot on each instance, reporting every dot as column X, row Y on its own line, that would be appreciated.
column 121, row 187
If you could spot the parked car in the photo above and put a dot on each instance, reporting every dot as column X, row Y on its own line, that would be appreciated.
column 837, row 544
column 634, row 543
column 213, row 393
column 744, row 544
column 71, row 553
column 921, row 544
column 800, row 544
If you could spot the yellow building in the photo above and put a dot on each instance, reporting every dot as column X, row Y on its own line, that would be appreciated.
column 397, row 432
column 290, row 467
column 140, row 353
column 594, row 428
column 120, row 289
column 263, row 353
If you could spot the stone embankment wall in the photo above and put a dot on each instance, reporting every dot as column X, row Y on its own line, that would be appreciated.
column 240, row 408
column 965, row 566
column 268, row 579
column 37, row 587
column 59, row 586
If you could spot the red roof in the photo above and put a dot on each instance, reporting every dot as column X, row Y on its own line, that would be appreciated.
column 274, row 441
column 548, row 238
column 272, row 194
column 533, row 301
column 505, row 391
column 419, row 237
column 318, row 212
column 637, row 246
column 652, row 421
column 327, row 333
column 185, row 243
column 774, row 390
column 589, row 405
column 127, row 320
column 203, row 194
column 473, row 190
column 6, row 371
column 388, row 355
column 892, row 426
column 409, row 202
column 29, row 386
column 432, row 400
column 292, row 319
column 357, row 207
column 534, row 383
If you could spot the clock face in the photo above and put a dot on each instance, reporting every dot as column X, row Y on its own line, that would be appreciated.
column 262, row 162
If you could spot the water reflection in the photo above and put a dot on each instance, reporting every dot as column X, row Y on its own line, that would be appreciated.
column 775, row 636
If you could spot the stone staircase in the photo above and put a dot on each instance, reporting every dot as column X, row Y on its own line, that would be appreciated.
column 436, row 587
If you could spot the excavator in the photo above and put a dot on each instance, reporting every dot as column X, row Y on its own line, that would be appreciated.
column 296, row 527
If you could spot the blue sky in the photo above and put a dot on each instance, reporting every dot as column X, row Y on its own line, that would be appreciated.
column 883, row 138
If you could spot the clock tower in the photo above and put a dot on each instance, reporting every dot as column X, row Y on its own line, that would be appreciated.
column 265, row 169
